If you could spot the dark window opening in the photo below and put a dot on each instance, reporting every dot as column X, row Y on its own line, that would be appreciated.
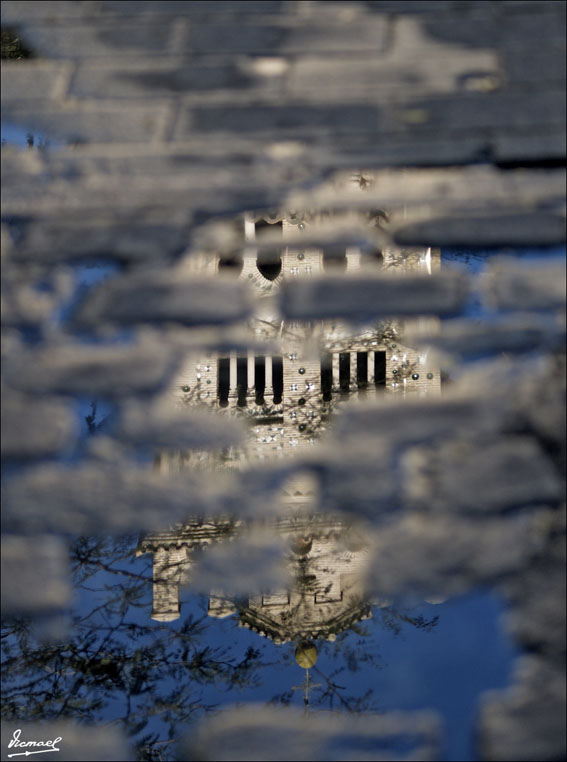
column 380, row 368
column 378, row 257
column 241, row 380
column 224, row 381
column 231, row 265
column 326, row 377
column 361, row 370
column 275, row 227
column 277, row 379
column 259, row 379
column 336, row 263
column 270, row 270
column 344, row 371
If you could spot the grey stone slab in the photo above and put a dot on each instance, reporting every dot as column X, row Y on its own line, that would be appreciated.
column 520, row 228
column 246, row 566
column 536, row 611
column 114, row 81
column 165, row 424
column 35, row 426
column 371, row 297
column 367, row 34
column 266, row 733
column 485, row 476
column 444, row 555
column 91, row 122
column 113, row 497
column 94, row 234
column 536, row 63
column 465, row 338
column 35, row 575
column 537, row 146
column 85, row 742
column 510, row 284
column 527, row 721
column 14, row 11
column 94, row 38
column 360, row 481
column 33, row 79
column 403, row 422
column 411, row 70
column 281, row 119
column 193, row 7
column 503, row 110
column 71, row 367
column 165, row 296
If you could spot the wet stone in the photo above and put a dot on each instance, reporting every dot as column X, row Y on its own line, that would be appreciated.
column 169, row 426
column 363, row 299
column 463, row 337
column 527, row 721
column 536, row 616
column 69, row 367
column 272, row 734
column 35, row 575
column 36, row 427
column 97, row 497
column 443, row 555
column 481, row 477
column 540, row 286
column 165, row 296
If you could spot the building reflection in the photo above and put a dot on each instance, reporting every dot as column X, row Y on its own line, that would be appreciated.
column 289, row 397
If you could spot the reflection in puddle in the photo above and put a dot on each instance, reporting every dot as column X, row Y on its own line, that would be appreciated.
column 220, row 610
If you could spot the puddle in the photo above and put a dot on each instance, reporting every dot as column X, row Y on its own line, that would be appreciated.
column 293, row 558
column 158, row 677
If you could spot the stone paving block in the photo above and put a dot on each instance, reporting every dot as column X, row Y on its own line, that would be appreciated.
column 267, row 733
column 444, row 555
column 545, row 145
column 14, row 11
column 94, row 38
column 527, row 228
column 246, row 566
column 540, row 63
column 504, row 110
column 158, row 79
column 279, row 118
column 75, row 742
column 464, row 338
column 402, row 422
column 360, row 482
column 319, row 79
column 35, row 575
column 527, row 721
column 165, row 296
column 89, row 235
column 364, row 299
column 536, row 615
column 509, row 284
column 33, row 79
column 166, row 425
column 36, row 427
column 481, row 477
column 192, row 7
column 71, row 367
column 368, row 34
column 98, row 121
column 98, row 497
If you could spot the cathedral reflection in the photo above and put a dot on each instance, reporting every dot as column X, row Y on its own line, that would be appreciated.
column 289, row 395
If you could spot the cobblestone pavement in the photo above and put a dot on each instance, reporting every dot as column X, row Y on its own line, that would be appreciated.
column 166, row 121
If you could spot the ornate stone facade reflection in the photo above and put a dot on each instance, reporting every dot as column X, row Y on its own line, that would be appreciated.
column 289, row 398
